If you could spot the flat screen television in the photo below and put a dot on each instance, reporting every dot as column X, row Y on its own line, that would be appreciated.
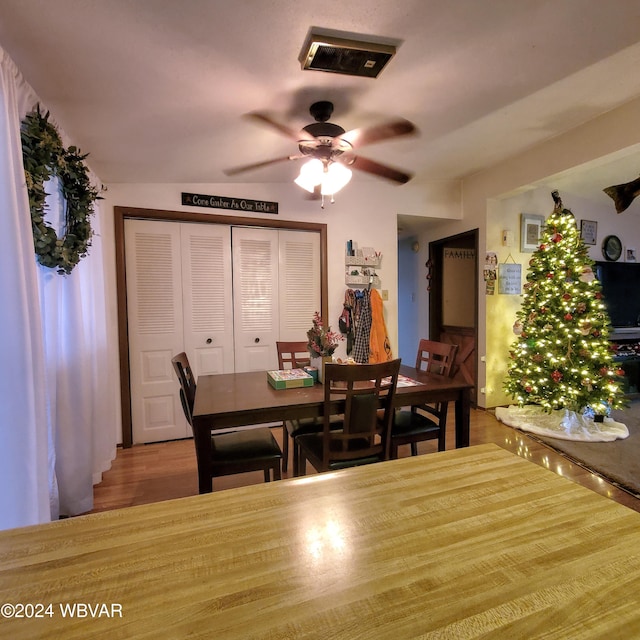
column 621, row 291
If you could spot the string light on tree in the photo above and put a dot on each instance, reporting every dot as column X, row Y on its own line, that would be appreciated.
column 562, row 358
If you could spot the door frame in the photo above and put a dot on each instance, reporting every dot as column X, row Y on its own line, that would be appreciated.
column 436, row 257
column 120, row 214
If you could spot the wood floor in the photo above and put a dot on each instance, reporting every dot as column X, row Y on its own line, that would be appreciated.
column 163, row 471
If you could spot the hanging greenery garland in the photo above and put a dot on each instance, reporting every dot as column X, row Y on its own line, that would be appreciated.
column 44, row 157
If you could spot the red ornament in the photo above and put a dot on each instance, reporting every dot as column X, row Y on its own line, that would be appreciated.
column 528, row 389
column 595, row 333
column 566, row 296
column 556, row 237
column 620, row 372
column 549, row 275
column 543, row 247
column 598, row 295
column 604, row 371
column 568, row 316
column 543, row 309
column 557, row 376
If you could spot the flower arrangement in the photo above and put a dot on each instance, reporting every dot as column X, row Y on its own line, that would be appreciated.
column 322, row 341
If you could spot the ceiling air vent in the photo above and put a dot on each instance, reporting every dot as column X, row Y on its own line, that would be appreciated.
column 350, row 57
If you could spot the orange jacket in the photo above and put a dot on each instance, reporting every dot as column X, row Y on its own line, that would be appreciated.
column 379, row 346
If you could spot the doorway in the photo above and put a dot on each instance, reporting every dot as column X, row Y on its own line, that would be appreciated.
column 453, row 300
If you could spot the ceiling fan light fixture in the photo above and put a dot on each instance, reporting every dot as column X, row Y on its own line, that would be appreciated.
column 331, row 177
column 336, row 177
column 311, row 174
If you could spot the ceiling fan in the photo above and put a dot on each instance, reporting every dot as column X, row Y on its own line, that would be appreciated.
column 331, row 149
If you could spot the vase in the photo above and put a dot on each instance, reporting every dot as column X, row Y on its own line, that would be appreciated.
column 319, row 363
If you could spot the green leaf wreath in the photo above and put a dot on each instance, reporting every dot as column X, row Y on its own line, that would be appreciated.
column 43, row 157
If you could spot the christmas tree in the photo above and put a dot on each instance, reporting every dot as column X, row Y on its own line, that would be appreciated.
column 562, row 358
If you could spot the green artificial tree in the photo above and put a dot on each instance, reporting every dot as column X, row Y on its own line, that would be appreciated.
column 562, row 358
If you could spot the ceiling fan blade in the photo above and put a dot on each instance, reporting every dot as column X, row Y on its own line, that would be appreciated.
column 258, row 165
column 289, row 132
column 369, row 135
column 381, row 170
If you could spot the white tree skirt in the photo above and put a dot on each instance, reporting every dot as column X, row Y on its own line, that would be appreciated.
column 563, row 424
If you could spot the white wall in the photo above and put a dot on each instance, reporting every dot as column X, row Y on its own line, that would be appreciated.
column 365, row 212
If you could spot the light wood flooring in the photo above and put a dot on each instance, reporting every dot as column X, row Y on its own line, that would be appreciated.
column 167, row 470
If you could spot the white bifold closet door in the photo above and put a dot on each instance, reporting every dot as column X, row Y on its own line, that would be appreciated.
column 223, row 295
column 179, row 298
column 276, row 290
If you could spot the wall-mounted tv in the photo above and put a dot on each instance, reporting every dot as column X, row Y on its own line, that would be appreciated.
column 621, row 291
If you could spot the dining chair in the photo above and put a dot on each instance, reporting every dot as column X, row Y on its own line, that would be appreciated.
column 361, row 436
column 294, row 355
column 233, row 451
column 426, row 421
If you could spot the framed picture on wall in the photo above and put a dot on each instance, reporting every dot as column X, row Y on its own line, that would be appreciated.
column 588, row 231
column 530, row 232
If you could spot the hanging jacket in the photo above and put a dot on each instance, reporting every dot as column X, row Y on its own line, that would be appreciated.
column 363, row 328
column 346, row 319
column 379, row 345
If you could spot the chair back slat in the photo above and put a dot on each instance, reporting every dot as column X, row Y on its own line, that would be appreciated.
column 293, row 355
column 436, row 357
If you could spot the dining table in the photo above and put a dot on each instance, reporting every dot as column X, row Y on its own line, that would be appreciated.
column 231, row 400
column 467, row 543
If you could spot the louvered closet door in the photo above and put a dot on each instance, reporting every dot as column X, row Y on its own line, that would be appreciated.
column 255, row 298
column 207, row 297
column 299, row 282
column 155, row 320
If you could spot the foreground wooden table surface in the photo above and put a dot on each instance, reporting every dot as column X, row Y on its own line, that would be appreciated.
column 470, row 543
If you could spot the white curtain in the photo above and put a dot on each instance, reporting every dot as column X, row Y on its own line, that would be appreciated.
column 58, row 385
column 24, row 435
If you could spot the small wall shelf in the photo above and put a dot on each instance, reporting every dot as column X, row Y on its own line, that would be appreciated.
column 359, row 261
column 360, row 270
column 362, row 281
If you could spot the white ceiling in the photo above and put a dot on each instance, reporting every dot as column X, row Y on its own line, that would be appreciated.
column 155, row 90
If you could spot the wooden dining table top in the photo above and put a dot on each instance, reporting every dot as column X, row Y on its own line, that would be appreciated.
column 468, row 543
column 240, row 399
column 235, row 399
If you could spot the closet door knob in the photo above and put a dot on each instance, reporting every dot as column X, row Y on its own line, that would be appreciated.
column 257, row 340
column 209, row 340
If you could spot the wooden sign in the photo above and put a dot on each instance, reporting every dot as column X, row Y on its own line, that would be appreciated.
column 230, row 204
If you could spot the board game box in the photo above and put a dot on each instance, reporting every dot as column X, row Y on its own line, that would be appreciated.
column 289, row 378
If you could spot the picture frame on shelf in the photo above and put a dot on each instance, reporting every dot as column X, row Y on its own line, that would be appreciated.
column 530, row 231
column 589, row 231
column 630, row 255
